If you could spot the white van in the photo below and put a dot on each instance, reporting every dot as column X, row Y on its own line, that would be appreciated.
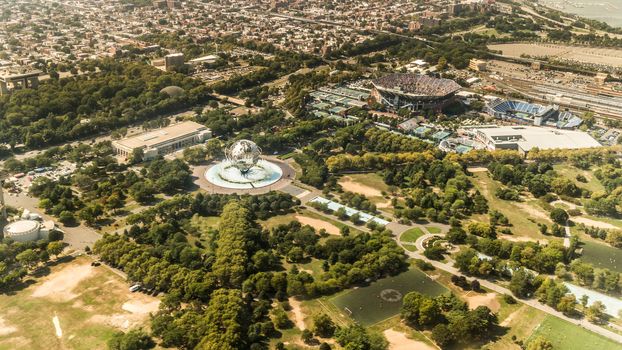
column 134, row 288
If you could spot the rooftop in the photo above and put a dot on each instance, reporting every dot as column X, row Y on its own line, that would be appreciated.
column 528, row 137
column 415, row 84
column 156, row 137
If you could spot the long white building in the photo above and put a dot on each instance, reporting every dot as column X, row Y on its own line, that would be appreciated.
column 525, row 138
column 163, row 141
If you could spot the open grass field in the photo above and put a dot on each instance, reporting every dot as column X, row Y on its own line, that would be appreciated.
column 567, row 336
column 571, row 173
column 433, row 229
column 524, row 216
column 411, row 235
column 520, row 324
column 383, row 299
column 88, row 303
column 602, row 255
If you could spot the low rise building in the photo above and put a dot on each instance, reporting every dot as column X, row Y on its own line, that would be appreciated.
column 525, row 138
column 163, row 141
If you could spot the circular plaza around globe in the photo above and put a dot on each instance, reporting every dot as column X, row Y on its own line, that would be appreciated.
column 226, row 174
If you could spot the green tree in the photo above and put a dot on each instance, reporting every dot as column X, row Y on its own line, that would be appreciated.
column 55, row 248
column 323, row 326
column 136, row 339
column 521, row 283
column 559, row 216
column 595, row 313
column 540, row 343
column 442, row 335
column 28, row 257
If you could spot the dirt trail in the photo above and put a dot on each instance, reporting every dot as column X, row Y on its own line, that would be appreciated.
column 506, row 322
column 595, row 223
column 298, row 315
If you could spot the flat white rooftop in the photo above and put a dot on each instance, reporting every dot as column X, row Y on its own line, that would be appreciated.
column 160, row 136
column 528, row 137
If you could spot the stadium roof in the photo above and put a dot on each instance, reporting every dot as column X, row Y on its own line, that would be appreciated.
column 414, row 84
column 528, row 137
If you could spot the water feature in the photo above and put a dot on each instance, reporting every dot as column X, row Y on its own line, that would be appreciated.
column 243, row 168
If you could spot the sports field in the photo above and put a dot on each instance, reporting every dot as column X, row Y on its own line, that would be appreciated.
column 567, row 336
column 602, row 255
column 382, row 299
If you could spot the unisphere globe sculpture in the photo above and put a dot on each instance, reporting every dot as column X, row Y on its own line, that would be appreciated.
column 243, row 168
column 243, row 154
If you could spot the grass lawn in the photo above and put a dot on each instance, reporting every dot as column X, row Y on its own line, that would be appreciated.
column 433, row 229
column 277, row 220
column 411, row 235
column 88, row 302
column 602, row 255
column 521, row 325
column 567, row 336
column 571, row 172
column 204, row 223
column 368, row 307
column 524, row 223
column 372, row 180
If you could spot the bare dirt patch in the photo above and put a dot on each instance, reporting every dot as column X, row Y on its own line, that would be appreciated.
column 59, row 285
column 489, row 300
column 533, row 211
column 351, row 186
column 318, row 224
column 5, row 328
column 399, row 341
column 299, row 318
column 512, row 238
column 595, row 223
column 140, row 306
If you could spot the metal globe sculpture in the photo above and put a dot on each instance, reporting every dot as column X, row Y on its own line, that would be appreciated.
column 243, row 168
column 243, row 154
